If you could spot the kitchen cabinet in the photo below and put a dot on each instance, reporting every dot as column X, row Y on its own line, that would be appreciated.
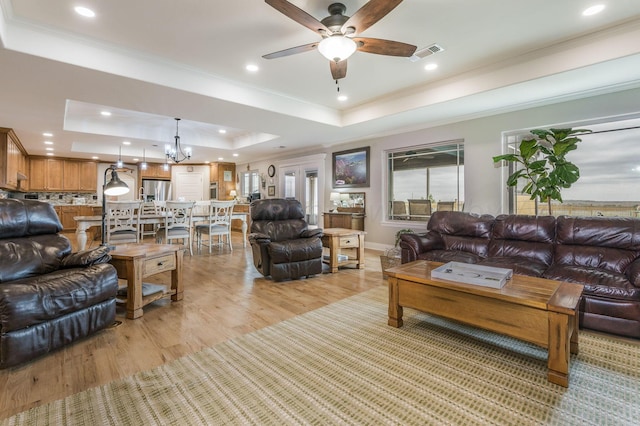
column 213, row 172
column 46, row 174
column 227, row 170
column 67, row 213
column 13, row 160
column 80, row 175
column 155, row 171
column 49, row 174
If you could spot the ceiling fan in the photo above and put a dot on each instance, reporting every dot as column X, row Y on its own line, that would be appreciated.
column 339, row 33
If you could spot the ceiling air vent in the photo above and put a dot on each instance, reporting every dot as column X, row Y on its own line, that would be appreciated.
column 426, row 51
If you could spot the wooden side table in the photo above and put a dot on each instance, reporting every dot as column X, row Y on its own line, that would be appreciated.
column 337, row 239
column 134, row 262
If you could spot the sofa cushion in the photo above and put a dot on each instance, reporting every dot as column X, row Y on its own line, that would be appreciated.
column 519, row 265
column 460, row 231
column 295, row 250
column 597, row 281
column 23, row 218
column 522, row 243
column 450, row 256
column 597, row 242
column 31, row 256
column 39, row 299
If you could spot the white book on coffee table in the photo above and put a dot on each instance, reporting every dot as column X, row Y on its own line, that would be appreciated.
column 468, row 273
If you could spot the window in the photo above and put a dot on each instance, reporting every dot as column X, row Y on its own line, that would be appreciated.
column 249, row 183
column 424, row 179
column 609, row 174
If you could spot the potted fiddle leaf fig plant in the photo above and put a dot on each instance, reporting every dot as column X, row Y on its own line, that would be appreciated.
column 544, row 165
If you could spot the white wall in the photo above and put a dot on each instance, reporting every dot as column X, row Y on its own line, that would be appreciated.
column 484, row 184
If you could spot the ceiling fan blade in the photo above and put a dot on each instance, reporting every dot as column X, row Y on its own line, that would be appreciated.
column 384, row 47
column 292, row 51
column 298, row 15
column 369, row 14
column 338, row 69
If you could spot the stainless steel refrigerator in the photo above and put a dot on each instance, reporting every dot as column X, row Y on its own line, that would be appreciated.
column 159, row 190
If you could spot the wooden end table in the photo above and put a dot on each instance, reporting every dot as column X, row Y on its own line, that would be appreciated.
column 536, row 310
column 134, row 262
column 341, row 238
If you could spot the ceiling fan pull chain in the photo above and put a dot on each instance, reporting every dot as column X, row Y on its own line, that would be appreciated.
column 338, row 85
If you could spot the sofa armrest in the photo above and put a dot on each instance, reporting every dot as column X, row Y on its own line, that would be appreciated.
column 86, row 258
column 633, row 272
column 414, row 244
column 259, row 238
column 310, row 233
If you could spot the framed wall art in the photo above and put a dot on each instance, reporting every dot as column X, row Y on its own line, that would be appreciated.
column 351, row 168
column 271, row 191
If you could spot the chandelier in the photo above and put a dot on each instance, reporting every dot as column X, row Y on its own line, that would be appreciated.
column 177, row 154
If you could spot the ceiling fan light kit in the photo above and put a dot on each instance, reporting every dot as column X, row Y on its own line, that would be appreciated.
column 337, row 47
column 339, row 32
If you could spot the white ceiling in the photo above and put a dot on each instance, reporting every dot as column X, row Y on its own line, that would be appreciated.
column 148, row 61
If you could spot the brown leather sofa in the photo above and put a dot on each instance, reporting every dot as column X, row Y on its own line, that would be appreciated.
column 49, row 297
column 601, row 253
column 282, row 244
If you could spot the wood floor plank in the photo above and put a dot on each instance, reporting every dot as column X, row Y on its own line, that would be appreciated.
column 224, row 297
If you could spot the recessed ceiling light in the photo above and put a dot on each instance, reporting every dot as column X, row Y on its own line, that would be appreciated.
column 222, row 131
column 49, row 149
column 47, row 134
column 220, row 158
column 136, row 159
column 235, row 155
column 50, row 153
column 593, row 10
column 84, row 11
column 95, row 157
column 252, row 68
column 207, row 162
column 106, row 113
column 431, row 66
column 126, row 143
column 48, row 143
column 342, row 98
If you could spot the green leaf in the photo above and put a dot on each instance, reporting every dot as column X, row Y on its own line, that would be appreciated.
column 528, row 148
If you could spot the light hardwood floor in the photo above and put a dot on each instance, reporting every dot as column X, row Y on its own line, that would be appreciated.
column 224, row 297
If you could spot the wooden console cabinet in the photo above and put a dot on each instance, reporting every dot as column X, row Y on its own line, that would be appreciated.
column 344, row 219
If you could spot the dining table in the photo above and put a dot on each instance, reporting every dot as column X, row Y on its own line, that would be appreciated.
column 85, row 222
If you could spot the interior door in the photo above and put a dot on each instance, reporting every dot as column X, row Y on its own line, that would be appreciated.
column 301, row 183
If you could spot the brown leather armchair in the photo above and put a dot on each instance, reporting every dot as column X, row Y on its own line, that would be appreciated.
column 49, row 297
column 282, row 245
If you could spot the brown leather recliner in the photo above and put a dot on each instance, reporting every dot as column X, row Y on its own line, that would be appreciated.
column 282, row 245
column 49, row 297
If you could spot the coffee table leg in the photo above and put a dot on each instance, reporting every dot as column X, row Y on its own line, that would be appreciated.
column 560, row 339
column 395, row 310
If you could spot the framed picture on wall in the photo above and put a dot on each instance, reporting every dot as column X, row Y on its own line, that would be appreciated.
column 271, row 191
column 351, row 168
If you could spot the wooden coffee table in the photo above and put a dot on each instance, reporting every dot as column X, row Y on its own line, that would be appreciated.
column 134, row 262
column 536, row 310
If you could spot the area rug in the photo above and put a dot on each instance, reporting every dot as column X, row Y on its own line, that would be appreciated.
column 342, row 364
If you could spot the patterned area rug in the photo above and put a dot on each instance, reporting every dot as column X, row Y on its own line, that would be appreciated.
column 342, row 364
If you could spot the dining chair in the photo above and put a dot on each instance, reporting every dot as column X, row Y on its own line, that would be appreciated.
column 178, row 221
column 419, row 210
column 445, row 206
column 399, row 210
column 148, row 208
column 123, row 218
column 218, row 224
